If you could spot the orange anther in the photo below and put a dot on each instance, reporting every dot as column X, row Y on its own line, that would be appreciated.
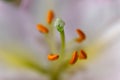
column 82, row 55
column 50, row 16
column 74, row 57
column 81, row 35
column 53, row 57
column 42, row 28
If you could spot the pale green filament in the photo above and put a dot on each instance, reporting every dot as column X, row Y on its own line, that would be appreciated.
column 50, row 38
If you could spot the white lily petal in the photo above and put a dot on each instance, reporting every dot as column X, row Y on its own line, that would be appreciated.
column 92, row 17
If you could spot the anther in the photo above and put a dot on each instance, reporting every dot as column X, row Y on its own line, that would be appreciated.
column 82, row 55
column 42, row 28
column 74, row 57
column 81, row 35
column 50, row 16
column 53, row 57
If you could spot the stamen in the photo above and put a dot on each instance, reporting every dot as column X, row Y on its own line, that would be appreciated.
column 74, row 57
column 42, row 28
column 53, row 57
column 81, row 35
column 82, row 55
column 50, row 16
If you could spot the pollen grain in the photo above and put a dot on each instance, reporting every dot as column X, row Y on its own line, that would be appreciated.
column 53, row 57
column 82, row 55
column 50, row 16
column 42, row 28
column 81, row 35
column 74, row 57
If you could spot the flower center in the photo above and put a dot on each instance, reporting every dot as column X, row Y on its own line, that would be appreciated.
column 59, row 24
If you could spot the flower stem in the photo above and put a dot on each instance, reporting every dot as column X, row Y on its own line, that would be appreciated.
column 54, row 78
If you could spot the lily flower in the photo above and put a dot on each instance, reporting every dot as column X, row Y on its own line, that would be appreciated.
column 53, row 49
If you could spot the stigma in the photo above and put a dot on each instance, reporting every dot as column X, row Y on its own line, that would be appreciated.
column 59, row 24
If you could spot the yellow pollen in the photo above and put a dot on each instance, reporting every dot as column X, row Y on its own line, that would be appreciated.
column 81, row 35
column 50, row 16
column 42, row 28
column 74, row 57
column 53, row 57
column 82, row 55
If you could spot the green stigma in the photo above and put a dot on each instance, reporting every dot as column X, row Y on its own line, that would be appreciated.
column 59, row 24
